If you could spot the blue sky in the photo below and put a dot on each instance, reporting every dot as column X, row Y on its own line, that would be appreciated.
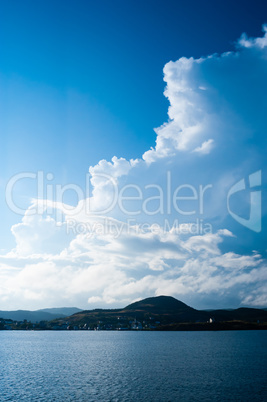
column 83, row 82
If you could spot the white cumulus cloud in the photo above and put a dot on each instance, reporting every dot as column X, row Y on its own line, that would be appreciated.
column 91, row 258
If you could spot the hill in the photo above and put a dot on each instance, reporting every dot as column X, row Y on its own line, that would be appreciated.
column 159, row 305
column 48, row 314
column 162, row 312
column 153, row 313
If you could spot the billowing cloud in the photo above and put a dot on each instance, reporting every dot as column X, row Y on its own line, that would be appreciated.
column 113, row 268
column 115, row 247
column 205, row 147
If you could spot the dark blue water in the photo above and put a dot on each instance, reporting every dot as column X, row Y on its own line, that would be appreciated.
column 133, row 366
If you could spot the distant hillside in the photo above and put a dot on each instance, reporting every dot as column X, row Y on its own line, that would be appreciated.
column 48, row 314
column 164, row 309
column 162, row 312
column 61, row 310
column 153, row 313
column 159, row 305
column 243, row 314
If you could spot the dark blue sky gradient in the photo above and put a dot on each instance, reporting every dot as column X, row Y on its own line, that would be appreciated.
column 114, row 51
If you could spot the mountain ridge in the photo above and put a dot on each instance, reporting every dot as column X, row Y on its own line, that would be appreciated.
column 163, row 310
column 160, row 312
column 47, row 314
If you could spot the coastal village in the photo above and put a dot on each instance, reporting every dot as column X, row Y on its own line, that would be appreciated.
column 152, row 314
column 122, row 324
